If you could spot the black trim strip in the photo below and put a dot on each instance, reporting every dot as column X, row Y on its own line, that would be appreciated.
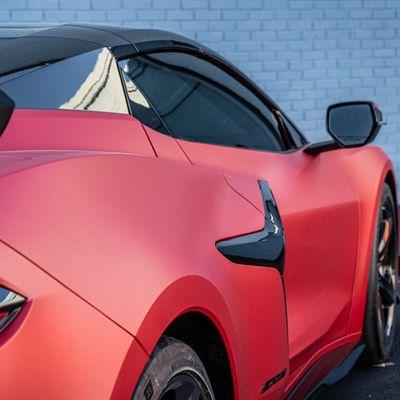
column 122, row 51
column 316, row 148
column 265, row 248
column 165, row 45
column 334, row 376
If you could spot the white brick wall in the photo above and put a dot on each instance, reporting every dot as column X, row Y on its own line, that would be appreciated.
column 304, row 53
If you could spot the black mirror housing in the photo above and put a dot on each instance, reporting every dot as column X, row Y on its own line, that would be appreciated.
column 353, row 123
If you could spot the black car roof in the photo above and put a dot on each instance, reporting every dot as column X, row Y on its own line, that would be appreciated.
column 23, row 46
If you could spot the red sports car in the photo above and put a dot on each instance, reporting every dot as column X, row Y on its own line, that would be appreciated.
column 167, row 232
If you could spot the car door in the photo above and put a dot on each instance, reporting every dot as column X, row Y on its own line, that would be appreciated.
column 218, row 120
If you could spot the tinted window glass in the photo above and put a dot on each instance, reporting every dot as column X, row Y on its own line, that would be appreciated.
column 89, row 81
column 139, row 105
column 199, row 102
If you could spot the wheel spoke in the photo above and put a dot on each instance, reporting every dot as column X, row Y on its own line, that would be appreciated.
column 380, row 312
column 386, row 290
column 384, row 237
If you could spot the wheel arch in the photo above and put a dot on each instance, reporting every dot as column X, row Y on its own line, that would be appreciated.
column 390, row 180
column 199, row 301
column 198, row 330
column 200, row 318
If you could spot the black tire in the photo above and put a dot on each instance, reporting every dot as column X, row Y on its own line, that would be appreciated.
column 173, row 367
column 380, row 316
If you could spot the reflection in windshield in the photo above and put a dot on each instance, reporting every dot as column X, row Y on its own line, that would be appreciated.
column 135, row 94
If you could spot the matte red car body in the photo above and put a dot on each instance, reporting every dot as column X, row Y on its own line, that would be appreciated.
column 95, row 233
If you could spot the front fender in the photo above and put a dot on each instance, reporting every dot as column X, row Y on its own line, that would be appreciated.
column 366, row 168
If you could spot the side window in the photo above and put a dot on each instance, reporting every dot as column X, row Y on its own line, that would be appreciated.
column 90, row 81
column 198, row 101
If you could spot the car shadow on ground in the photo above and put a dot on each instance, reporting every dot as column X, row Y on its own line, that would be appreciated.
column 370, row 383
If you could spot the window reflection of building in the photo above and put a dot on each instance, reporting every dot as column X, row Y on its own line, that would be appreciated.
column 101, row 90
column 135, row 95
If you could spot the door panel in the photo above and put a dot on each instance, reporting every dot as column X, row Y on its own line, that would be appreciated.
column 320, row 216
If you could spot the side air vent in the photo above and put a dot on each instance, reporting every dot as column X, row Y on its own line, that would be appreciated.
column 265, row 248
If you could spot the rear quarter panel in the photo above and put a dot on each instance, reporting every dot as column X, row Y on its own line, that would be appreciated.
column 135, row 237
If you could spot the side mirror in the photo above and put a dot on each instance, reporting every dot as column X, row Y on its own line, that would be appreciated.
column 353, row 123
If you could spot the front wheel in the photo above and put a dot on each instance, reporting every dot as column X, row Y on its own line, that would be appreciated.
column 380, row 317
column 174, row 371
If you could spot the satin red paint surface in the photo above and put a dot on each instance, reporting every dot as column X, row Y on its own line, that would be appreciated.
column 109, row 229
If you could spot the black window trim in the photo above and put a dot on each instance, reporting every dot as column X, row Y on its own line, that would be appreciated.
column 121, row 72
column 224, row 65
column 285, row 122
